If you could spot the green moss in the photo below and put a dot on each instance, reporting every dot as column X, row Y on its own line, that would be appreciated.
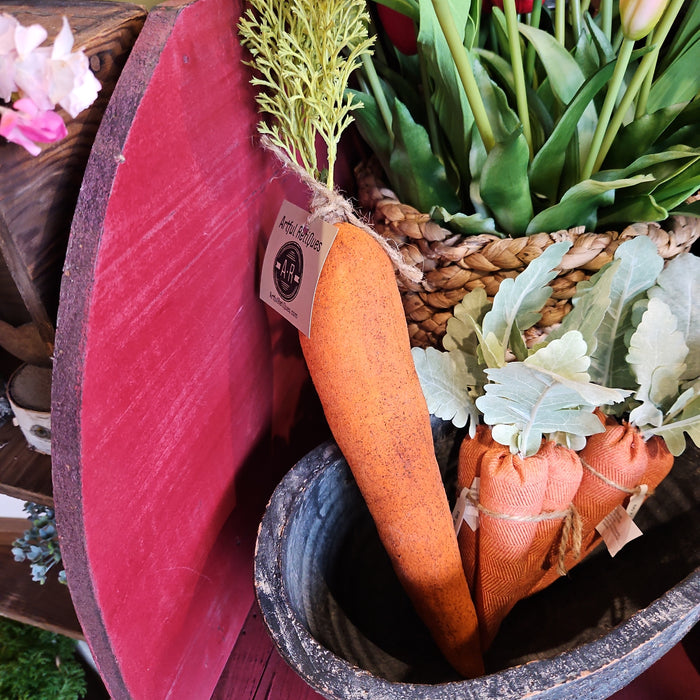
column 35, row 664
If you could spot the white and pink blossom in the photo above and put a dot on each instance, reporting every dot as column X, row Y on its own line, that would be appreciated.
column 26, row 124
column 40, row 78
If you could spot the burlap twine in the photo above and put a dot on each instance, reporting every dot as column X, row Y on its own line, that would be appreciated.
column 330, row 206
column 641, row 488
column 571, row 534
column 453, row 265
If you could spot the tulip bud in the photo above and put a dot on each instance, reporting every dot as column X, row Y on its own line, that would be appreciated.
column 639, row 17
column 399, row 28
column 522, row 7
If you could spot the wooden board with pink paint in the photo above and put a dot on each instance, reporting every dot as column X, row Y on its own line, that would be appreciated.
column 178, row 397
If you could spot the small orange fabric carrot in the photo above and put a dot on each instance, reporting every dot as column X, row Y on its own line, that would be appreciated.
column 359, row 357
column 471, row 452
column 614, row 463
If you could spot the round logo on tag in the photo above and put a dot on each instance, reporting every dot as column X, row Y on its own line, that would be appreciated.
column 289, row 266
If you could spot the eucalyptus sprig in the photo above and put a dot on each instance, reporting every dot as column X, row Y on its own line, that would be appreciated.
column 304, row 52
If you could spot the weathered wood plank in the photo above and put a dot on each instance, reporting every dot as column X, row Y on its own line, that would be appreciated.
column 24, row 473
column 255, row 671
column 38, row 194
column 48, row 606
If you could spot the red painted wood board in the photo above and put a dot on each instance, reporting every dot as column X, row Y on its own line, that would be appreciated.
column 173, row 392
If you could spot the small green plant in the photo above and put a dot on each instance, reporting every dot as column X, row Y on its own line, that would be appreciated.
column 37, row 664
column 304, row 52
column 39, row 544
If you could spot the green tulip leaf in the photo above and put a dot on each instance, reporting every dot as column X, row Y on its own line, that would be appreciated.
column 547, row 165
column 565, row 79
column 464, row 224
column 579, row 205
column 447, row 95
column 642, row 207
column 405, row 7
column 372, row 128
column 421, row 175
column 640, row 134
column 679, row 82
column 504, row 184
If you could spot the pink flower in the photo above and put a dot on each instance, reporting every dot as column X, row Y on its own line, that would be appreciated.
column 639, row 17
column 26, row 123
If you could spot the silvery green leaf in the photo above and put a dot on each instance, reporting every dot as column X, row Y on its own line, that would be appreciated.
column 507, row 435
column 493, row 351
column 646, row 415
column 657, row 356
column 445, row 381
column 518, row 301
column 565, row 356
column 590, row 304
column 679, row 286
column 639, row 267
column 464, row 327
column 689, row 393
column 566, row 361
column 535, row 403
column 673, row 432
column 573, row 442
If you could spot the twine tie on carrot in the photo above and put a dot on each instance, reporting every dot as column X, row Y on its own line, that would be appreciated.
column 330, row 206
column 572, row 527
column 636, row 491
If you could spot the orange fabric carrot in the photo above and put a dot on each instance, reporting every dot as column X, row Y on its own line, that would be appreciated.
column 614, row 463
column 359, row 357
column 471, row 452
column 510, row 498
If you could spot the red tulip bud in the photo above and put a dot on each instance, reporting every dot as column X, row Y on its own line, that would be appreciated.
column 399, row 28
column 521, row 6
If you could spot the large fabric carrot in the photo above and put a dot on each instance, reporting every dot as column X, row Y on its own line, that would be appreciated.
column 358, row 354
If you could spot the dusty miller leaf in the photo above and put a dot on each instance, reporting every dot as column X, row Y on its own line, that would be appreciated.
column 640, row 266
column 590, row 304
column 673, row 432
column 565, row 360
column 445, row 381
column 518, row 301
column 464, row 326
column 679, row 286
column 535, row 403
column 657, row 356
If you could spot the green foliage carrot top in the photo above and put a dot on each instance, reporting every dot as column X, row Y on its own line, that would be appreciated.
column 568, row 114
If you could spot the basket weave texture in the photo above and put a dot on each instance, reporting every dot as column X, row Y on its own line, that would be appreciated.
column 454, row 264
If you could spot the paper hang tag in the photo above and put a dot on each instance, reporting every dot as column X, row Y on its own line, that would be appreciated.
column 294, row 258
column 617, row 529
column 636, row 500
column 458, row 510
column 465, row 510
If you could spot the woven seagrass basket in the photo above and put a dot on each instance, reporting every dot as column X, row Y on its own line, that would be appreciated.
column 453, row 264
